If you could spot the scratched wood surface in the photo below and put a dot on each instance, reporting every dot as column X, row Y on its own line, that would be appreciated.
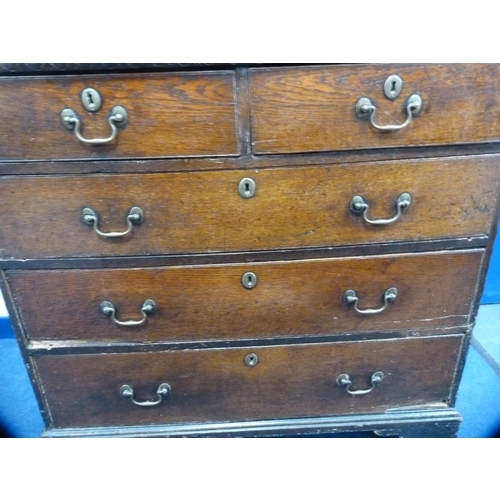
column 436, row 290
column 312, row 109
column 186, row 114
column 191, row 137
column 203, row 212
column 216, row 385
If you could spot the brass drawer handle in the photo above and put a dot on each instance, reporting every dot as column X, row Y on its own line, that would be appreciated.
column 366, row 109
column 117, row 118
column 134, row 218
column 108, row 309
column 344, row 380
column 351, row 299
column 162, row 392
column 359, row 206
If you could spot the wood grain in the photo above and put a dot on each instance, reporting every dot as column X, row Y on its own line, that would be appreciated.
column 436, row 290
column 184, row 114
column 312, row 109
column 202, row 212
column 192, row 136
column 215, row 384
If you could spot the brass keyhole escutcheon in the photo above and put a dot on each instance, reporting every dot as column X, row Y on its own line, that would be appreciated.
column 393, row 87
column 247, row 188
column 251, row 360
column 249, row 280
column 91, row 100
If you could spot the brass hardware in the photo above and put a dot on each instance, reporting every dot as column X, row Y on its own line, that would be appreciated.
column 91, row 100
column 359, row 206
column 344, row 380
column 134, row 218
column 249, row 280
column 117, row 118
column 108, row 309
column 366, row 109
column 247, row 188
column 393, row 87
column 251, row 360
column 162, row 392
column 351, row 298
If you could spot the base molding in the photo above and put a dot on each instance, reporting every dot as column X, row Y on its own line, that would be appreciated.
column 404, row 423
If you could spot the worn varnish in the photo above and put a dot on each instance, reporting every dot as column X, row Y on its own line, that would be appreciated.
column 209, row 302
column 215, row 384
column 311, row 109
column 192, row 136
column 203, row 212
column 185, row 114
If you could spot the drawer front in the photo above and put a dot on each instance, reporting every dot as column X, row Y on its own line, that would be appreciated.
column 434, row 290
column 217, row 385
column 295, row 110
column 203, row 212
column 188, row 114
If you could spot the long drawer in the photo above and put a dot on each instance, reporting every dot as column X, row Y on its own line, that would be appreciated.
column 247, row 383
column 310, row 109
column 204, row 212
column 279, row 299
column 167, row 115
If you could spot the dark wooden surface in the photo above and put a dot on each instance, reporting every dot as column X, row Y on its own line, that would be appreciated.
column 192, row 136
column 433, row 421
column 312, row 109
column 185, row 114
column 293, row 298
column 216, row 385
column 246, row 257
column 76, row 68
column 246, row 161
column 203, row 212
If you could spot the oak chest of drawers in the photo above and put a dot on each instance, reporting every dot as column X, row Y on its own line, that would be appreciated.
column 242, row 250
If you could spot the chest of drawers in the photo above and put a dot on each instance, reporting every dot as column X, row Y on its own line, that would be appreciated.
column 246, row 250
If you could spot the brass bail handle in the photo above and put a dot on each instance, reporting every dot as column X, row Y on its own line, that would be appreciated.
column 344, row 380
column 162, row 392
column 351, row 299
column 135, row 217
column 108, row 309
column 118, row 118
column 359, row 206
column 365, row 109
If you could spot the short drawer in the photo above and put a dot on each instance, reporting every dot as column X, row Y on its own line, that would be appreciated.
column 168, row 115
column 202, row 212
column 200, row 303
column 214, row 385
column 312, row 109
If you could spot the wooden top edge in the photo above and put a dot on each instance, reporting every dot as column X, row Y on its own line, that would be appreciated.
column 58, row 68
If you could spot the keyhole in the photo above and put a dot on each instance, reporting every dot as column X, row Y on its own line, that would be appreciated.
column 393, row 86
column 91, row 99
column 246, row 188
column 249, row 280
column 251, row 360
